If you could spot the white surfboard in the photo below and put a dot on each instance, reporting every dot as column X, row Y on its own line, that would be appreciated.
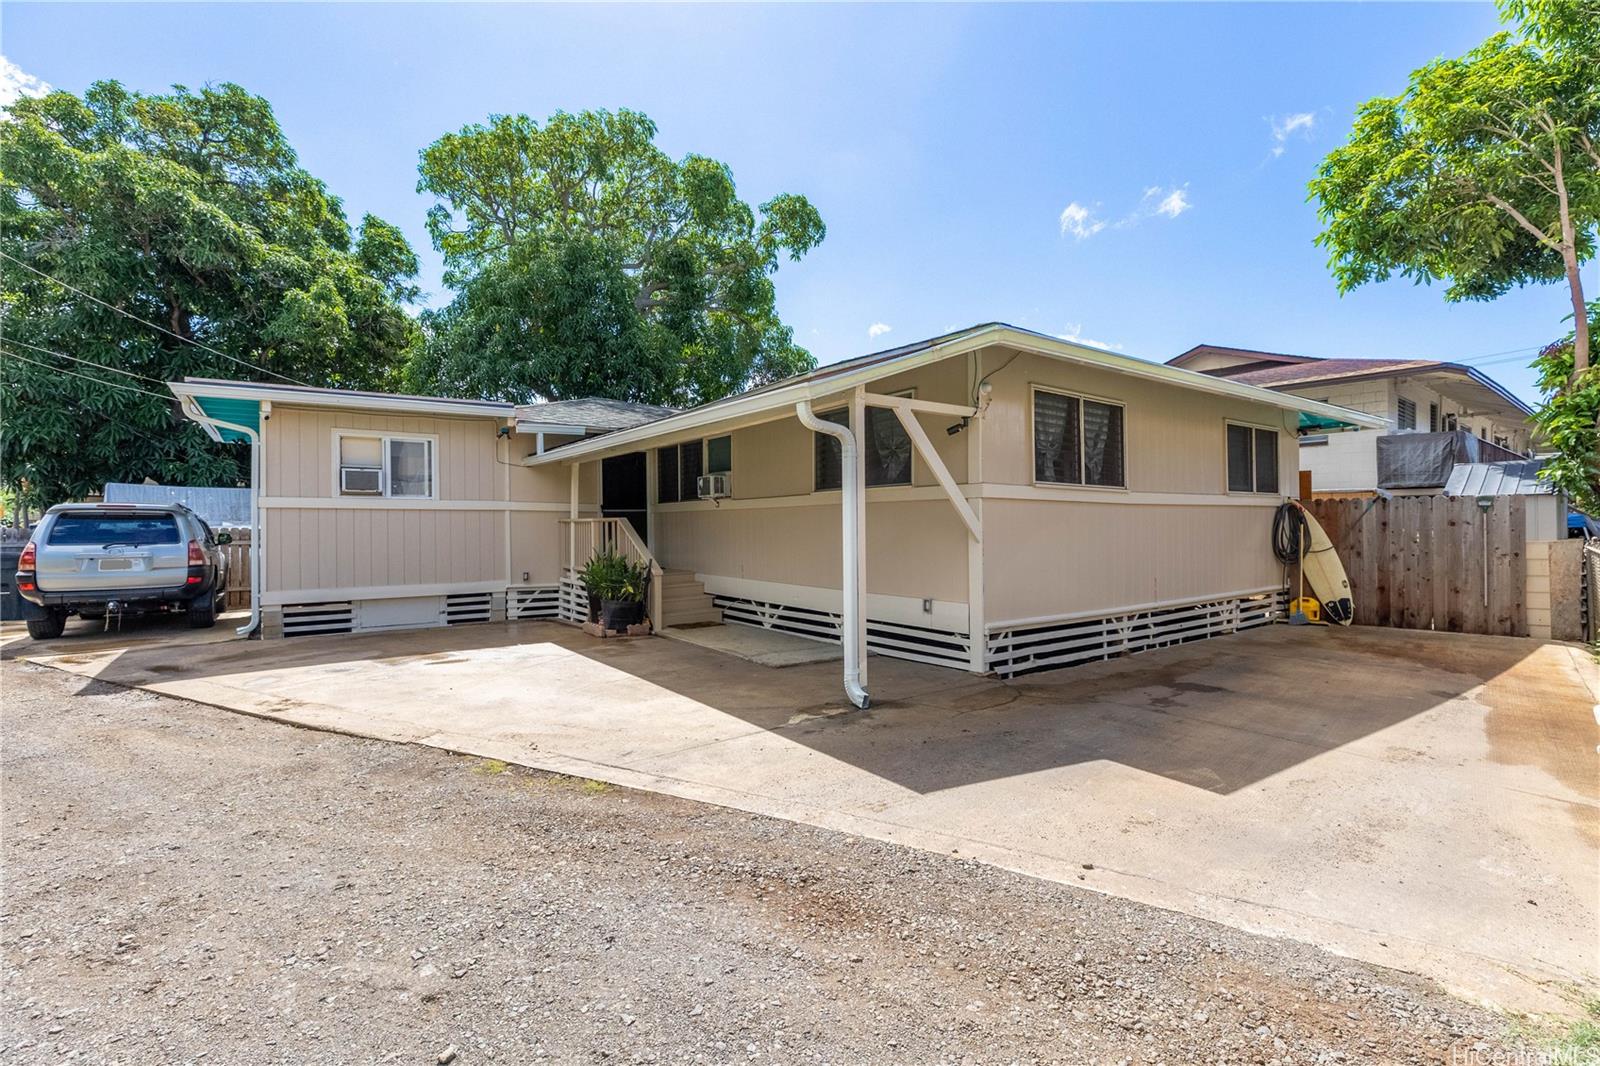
column 1325, row 574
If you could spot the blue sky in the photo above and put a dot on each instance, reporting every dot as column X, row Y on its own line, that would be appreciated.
column 1130, row 174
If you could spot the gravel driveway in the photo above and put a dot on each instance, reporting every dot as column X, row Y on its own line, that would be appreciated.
column 185, row 884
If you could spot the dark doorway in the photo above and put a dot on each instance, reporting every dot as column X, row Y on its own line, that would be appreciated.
column 623, row 493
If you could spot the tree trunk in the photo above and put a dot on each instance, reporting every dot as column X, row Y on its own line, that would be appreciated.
column 1580, row 313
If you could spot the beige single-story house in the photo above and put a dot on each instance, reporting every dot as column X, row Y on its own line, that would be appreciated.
column 991, row 500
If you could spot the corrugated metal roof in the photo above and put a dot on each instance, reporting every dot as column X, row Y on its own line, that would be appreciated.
column 219, row 507
column 1498, row 479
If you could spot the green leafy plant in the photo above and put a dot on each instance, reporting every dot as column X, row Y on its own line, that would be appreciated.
column 611, row 576
column 588, row 262
column 1567, row 419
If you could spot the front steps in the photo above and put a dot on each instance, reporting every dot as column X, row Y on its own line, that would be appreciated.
column 684, row 601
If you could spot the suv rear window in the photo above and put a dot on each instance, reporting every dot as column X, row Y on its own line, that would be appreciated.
column 100, row 529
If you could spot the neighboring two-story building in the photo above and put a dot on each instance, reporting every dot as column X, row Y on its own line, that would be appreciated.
column 1466, row 415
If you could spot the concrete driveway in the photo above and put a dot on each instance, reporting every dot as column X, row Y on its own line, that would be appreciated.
column 1425, row 801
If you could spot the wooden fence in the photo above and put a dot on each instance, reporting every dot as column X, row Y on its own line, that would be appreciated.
column 238, row 554
column 1432, row 562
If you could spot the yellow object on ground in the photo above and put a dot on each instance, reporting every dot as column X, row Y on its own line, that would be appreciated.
column 1308, row 606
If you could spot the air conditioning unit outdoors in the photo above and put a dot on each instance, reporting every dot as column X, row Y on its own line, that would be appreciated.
column 713, row 487
column 361, row 480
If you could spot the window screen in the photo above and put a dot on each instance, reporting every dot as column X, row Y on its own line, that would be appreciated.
column 689, row 470
column 361, row 451
column 667, row 475
column 1102, row 443
column 1240, row 467
column 1055, row 439
column 1433, row 418
column 888, row 449
column 826, row 452
column 719, row 455
column 1266, row 460
column 1407, row 413
column 411, row 468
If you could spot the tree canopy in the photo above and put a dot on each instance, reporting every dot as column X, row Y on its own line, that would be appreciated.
column 589, row 262
column 1484, row 173
column 187, row 210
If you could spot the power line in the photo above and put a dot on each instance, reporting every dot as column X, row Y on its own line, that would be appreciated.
column 86, row 377
column 147, row 322
column 86, row 362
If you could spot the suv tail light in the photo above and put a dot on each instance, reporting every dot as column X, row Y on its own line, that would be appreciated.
column 27, row 562
column 197, row 556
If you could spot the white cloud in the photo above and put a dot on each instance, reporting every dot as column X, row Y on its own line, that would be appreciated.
column 1174, row 203
column 1079, row 221
column 878, row 329
column 1075, row 335
column 15, row 83
column 1301, row 123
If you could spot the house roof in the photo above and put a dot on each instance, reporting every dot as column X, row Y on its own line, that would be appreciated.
column 837, row 377
column 1273, row 370
column 1498, row 479
column 591, row 412
column 306, row 395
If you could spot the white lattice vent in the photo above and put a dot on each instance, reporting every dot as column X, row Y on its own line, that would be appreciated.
column 541, row 601
column 898, row 641
column 305, row 619
column 468, row 607
column 1069, row 642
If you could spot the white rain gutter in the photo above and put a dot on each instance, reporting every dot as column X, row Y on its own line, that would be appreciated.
column 193, row 410
column 855, row 666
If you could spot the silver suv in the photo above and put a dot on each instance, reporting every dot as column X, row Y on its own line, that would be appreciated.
column 95, row 559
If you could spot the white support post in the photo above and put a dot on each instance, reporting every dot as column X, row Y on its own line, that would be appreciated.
column 858, row 426
column 572, row 526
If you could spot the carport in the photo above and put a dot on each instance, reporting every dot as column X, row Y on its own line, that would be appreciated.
column 1443, row 819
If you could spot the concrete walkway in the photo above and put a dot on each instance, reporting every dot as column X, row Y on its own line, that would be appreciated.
column 1425, row 801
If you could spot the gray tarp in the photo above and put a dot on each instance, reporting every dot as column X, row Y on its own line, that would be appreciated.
column 1424, row 460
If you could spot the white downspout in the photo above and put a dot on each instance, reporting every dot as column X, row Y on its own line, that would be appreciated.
column 192, row 409
column 855, row 669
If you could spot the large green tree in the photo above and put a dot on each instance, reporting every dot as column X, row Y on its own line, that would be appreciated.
column 589, row 262
column 187, row 210
column 1484, row 173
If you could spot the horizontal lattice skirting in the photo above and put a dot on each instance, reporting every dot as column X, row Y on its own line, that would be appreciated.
column 573, row 602
column 894, row 639
column 304, row 619
column 542, row 601
column 468, row 607
column 1043, row 645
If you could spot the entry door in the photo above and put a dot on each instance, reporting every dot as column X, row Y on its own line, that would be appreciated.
column 623, row 493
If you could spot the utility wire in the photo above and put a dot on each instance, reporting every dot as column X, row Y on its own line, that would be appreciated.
column 86, row 362
column 147, row 322
column 86, row 377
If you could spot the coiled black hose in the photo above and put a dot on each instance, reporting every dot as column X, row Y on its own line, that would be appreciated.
column 1291, row 534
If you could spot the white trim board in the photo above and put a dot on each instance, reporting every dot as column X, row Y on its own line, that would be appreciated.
column 293, row 597
column 401, row 503
column 1052, row 493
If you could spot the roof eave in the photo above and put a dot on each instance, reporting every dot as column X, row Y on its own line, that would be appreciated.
column 760, row 402
column 335, row 398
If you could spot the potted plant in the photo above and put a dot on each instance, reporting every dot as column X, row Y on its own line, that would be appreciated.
column 616, row 589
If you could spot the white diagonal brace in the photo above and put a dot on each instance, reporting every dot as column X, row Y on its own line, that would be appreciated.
column 903, row 411
column 928, row 407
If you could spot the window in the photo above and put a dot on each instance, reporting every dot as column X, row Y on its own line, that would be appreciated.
column 1407, row 413
column 1450, row 423
column 1252, row 459
column 888, row 450
column 393, row 466
column 679, row 467
column 667, row 475
column 100, row 530
column 1433, row 418
column 1077, row 441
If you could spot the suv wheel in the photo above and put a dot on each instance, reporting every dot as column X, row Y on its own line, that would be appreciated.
column 202, row 613
column 51, row 626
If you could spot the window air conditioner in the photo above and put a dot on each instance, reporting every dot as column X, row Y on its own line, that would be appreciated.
column 361, row 480
column 713, row 486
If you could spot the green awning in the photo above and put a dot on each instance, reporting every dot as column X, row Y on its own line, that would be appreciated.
column 239, row 412
column 1320, row 424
